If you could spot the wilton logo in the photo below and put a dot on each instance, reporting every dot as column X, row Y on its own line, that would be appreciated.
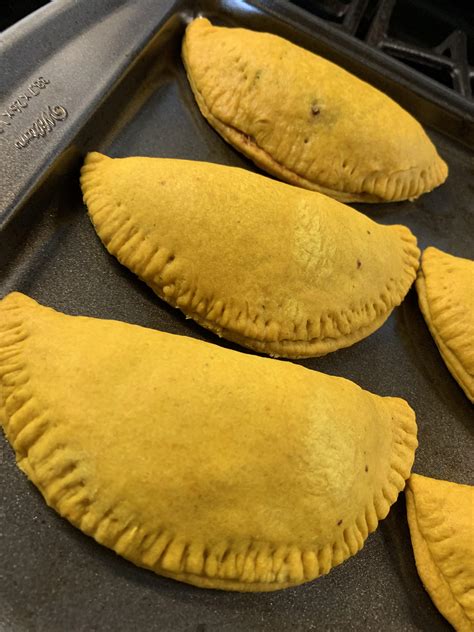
column 43, row 125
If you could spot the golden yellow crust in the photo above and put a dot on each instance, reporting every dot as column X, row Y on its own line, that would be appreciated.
column 306, row 120
column 217, row 468
column 275, row 268
column 441, row 520
column 445, row 287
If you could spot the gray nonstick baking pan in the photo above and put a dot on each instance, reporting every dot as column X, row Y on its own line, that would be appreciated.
column 107, row 75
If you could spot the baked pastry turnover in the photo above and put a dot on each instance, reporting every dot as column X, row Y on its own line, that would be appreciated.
column 275, row 268
column 445, row 286
column 306, row 120
column 213, row 467
column 441, row 519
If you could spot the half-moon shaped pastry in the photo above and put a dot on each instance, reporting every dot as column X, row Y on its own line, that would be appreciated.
column 441, row 520
column 213, row 467
column 272, row 267
column 445, row 286
column 306, row 120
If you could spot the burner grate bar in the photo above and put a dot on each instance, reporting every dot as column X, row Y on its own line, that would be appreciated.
column 456, row 44
column 379, row 28
column 354, row 13
column 414, row 53
column 456, row 64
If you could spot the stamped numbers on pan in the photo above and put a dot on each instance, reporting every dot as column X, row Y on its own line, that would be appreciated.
column 21, row 102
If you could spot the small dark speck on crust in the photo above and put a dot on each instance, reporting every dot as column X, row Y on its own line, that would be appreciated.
column 366, row 468
column 305, row 141
column 339, row 523
column 359, row 263
column 368, row 232
column 314, row 109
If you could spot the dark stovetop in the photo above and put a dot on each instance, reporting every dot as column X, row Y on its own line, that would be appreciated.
column 435, row 37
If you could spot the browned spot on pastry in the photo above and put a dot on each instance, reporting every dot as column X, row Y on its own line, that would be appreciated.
column 359, row 263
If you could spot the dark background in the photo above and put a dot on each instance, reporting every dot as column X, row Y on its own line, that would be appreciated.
column 14, row 10
column 460, row 12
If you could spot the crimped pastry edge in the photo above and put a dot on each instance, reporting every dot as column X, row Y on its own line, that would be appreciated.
column 425, row 563
column 455, row 366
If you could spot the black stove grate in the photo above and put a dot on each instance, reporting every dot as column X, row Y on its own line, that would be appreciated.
column 435, row 37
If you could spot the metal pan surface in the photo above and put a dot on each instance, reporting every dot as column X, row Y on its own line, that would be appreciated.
column 108, row 75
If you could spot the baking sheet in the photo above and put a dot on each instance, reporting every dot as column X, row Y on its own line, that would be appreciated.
column 52, row 577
